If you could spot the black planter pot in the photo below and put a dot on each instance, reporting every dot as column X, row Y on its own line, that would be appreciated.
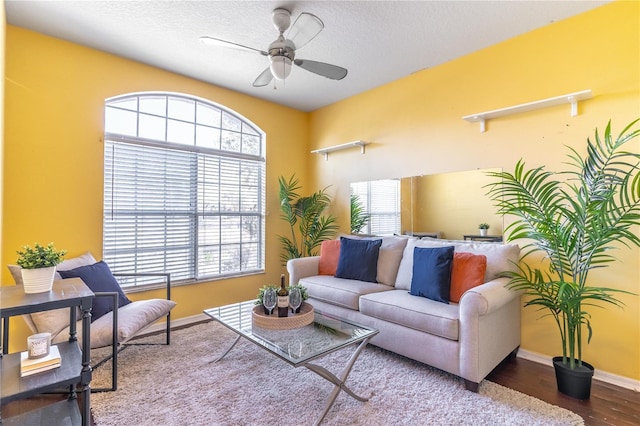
column 575, row 383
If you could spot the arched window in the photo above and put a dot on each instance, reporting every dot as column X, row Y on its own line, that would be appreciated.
column 184, row 184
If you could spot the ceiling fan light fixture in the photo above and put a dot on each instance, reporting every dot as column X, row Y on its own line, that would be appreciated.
column 280, row 67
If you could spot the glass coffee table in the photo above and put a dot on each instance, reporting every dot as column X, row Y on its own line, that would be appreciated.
column 300, row 346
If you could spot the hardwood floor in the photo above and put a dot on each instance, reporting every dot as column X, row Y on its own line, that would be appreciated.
column 608, row 405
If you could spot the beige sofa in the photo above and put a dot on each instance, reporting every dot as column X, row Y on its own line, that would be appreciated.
column 468, row 339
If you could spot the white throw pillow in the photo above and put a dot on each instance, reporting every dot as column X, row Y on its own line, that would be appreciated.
column 389, row 258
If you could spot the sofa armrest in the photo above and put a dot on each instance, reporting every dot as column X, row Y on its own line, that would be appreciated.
column 486, row 298
column 489, row 327
column 302, row 267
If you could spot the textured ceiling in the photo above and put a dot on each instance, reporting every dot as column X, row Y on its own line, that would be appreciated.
column 377, row 41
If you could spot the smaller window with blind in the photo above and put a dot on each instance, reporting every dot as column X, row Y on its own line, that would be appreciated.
column 379, row 203
column 184, row 185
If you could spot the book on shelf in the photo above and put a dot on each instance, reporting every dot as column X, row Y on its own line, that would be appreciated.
column 32, row 366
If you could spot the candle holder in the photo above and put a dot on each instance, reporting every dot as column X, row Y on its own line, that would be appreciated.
column 38, row 345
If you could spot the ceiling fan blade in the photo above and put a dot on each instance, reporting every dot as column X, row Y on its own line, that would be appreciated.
column 306, row 27
column 333, row 72
column 264, row 78
column 212, row 41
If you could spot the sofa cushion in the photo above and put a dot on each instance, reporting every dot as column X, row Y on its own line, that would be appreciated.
column 340, row 291
column 358, row 259
column 500, row 257
column 98, row 278
column 432, row 272
column 467, row 272
column 329, row 255
column 389, row 259
column 419, row 313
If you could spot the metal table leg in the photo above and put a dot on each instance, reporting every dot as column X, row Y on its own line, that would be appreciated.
column 227, row 351
column 339, row 380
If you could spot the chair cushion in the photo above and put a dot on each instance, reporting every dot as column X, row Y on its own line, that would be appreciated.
column 98, row 278
column 132, row 318
column 358, row 259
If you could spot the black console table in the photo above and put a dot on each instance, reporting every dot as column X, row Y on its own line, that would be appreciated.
column 75, row 369
column 486, row 238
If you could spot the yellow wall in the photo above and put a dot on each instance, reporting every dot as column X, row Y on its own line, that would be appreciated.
column 415, row 127
column 55, row 93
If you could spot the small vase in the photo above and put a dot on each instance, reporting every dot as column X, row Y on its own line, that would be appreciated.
column 38, row 280
column 483, row 232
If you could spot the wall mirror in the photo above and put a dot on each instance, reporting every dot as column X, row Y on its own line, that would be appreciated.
column 445, row 205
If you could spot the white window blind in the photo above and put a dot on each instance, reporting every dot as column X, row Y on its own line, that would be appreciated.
column 381, row 200
column 183, row 189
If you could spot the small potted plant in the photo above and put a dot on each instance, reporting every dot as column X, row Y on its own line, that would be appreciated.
column 483, row 227
column 38, row 265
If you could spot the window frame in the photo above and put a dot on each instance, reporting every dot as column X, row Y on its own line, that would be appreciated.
column 217, row 155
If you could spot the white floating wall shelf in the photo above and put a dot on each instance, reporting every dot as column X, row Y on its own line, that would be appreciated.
column 570, row 98
column 327, row 150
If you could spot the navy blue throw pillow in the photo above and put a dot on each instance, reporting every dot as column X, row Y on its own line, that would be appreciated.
column 358, row 259
column 98, row 278
column 432, row 273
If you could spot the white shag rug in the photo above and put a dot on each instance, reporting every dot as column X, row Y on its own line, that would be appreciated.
column 176, row 385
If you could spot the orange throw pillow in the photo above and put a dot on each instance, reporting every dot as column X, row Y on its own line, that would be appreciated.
column 329, row 254
column 467, row 272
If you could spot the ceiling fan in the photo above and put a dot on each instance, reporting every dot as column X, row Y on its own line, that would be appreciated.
column 282, row 51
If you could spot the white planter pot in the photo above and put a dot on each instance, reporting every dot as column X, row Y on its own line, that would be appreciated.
column 483, row 232
column 39, row 280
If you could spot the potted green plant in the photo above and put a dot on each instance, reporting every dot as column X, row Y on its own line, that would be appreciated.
column 38, row 265
column 483, row 227
column 309, row 227
column 359, row 216
column 574, row 218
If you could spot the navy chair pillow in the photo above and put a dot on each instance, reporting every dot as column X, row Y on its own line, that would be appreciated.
column 432, row 273
column 98, row 278
column 358, row 259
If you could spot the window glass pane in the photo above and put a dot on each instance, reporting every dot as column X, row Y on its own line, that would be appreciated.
column 248, row 130
column 209, row 230
column 182, row 109
column 230, row 258
column 209, row 261
column 251, row 144
column 207, row 137
column 128, row 103
column 152, row 127
column 121, row 122
column 230, row 141
column 229, row 122
column 156, row 105
column 180, row 132
column 208, row 115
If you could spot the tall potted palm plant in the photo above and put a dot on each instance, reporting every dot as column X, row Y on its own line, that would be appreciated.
column 309, row 227
column 574, row 218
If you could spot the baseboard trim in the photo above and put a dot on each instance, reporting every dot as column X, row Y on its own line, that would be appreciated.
column 603, row 376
